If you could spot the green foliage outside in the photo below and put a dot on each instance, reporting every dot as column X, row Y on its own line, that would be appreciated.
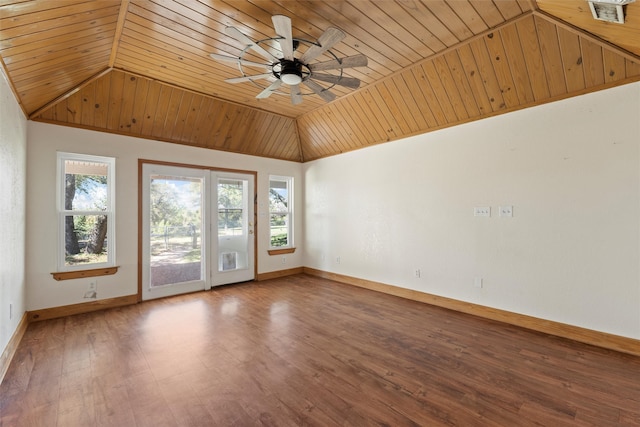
column 85, row 235
column 175, row 210
column 278, row 201
column 279, row 239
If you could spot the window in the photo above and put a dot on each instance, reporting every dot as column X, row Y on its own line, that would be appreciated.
column 281, row 212
column 86, row 214
column 231, row 216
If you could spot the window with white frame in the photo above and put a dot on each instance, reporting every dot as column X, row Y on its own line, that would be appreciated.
column 86, row 211
column 280, row 212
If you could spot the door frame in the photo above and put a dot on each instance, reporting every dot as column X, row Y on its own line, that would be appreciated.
column 142, row 162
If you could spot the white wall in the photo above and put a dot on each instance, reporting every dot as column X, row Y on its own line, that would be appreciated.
column 43, row 143
column 571, row 170
column 571, row 251
column 13, row 154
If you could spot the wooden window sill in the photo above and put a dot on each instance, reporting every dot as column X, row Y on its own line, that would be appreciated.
column 281, row 251
column 78, row 274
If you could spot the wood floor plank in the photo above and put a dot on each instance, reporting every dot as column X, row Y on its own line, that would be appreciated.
column 302, row 350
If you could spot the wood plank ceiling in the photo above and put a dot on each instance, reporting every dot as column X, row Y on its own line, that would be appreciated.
column 142, row 67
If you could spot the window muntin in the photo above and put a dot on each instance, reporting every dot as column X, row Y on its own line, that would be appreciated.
column 85, row 211
column 280, row 212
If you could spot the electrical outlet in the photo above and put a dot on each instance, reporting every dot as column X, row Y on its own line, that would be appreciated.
column 482, row 211
column 477, row 282
column 92, row 290
column 337, row 260
column 284, row 259
column 417, row 273
column 505, row 211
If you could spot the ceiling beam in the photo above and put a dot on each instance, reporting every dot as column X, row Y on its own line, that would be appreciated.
column 297, row 131
column 124, row 7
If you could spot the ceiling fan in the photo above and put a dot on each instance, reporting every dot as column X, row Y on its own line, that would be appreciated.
column 291, row 62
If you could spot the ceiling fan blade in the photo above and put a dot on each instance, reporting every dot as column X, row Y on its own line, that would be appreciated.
column 268, row 91
column 282, row 25
column 236, row 60
column 327, row 40
column 349, row 82
column 336, row 64
column 319, row 90
column 239, row 36
column 296, row 95
column 249, row 78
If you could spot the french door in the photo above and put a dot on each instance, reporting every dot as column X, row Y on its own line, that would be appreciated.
column 234, row 240
column 198, row 229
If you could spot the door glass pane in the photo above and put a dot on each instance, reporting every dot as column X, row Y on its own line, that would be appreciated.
column 232, row 224
column 176, row 229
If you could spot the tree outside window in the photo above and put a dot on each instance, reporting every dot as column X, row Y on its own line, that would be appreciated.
column 280, row 212
column 86, row 211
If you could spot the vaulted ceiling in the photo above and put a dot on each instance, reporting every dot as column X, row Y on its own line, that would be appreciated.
column 143, row 67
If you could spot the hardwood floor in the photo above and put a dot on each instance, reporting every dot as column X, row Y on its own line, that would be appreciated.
column 308, row 351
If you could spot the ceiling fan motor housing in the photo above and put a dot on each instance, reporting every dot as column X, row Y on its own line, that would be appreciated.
column 290, row 72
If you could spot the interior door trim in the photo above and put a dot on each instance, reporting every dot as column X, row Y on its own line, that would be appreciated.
column 142, row 162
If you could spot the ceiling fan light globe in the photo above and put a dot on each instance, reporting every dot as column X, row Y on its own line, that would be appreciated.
column 290, row 79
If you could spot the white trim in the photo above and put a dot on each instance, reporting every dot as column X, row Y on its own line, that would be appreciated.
column 110, row 211
column 148, row 292
column 289, row 212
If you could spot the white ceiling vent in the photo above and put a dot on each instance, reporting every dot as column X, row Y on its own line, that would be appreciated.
column 609, row 10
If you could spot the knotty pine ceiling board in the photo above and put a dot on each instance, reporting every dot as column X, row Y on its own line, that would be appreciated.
column 144, row 66
column 529, row 61
column 578, row 14
column 67, row 42
column 50, row 47
column 127, row 104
